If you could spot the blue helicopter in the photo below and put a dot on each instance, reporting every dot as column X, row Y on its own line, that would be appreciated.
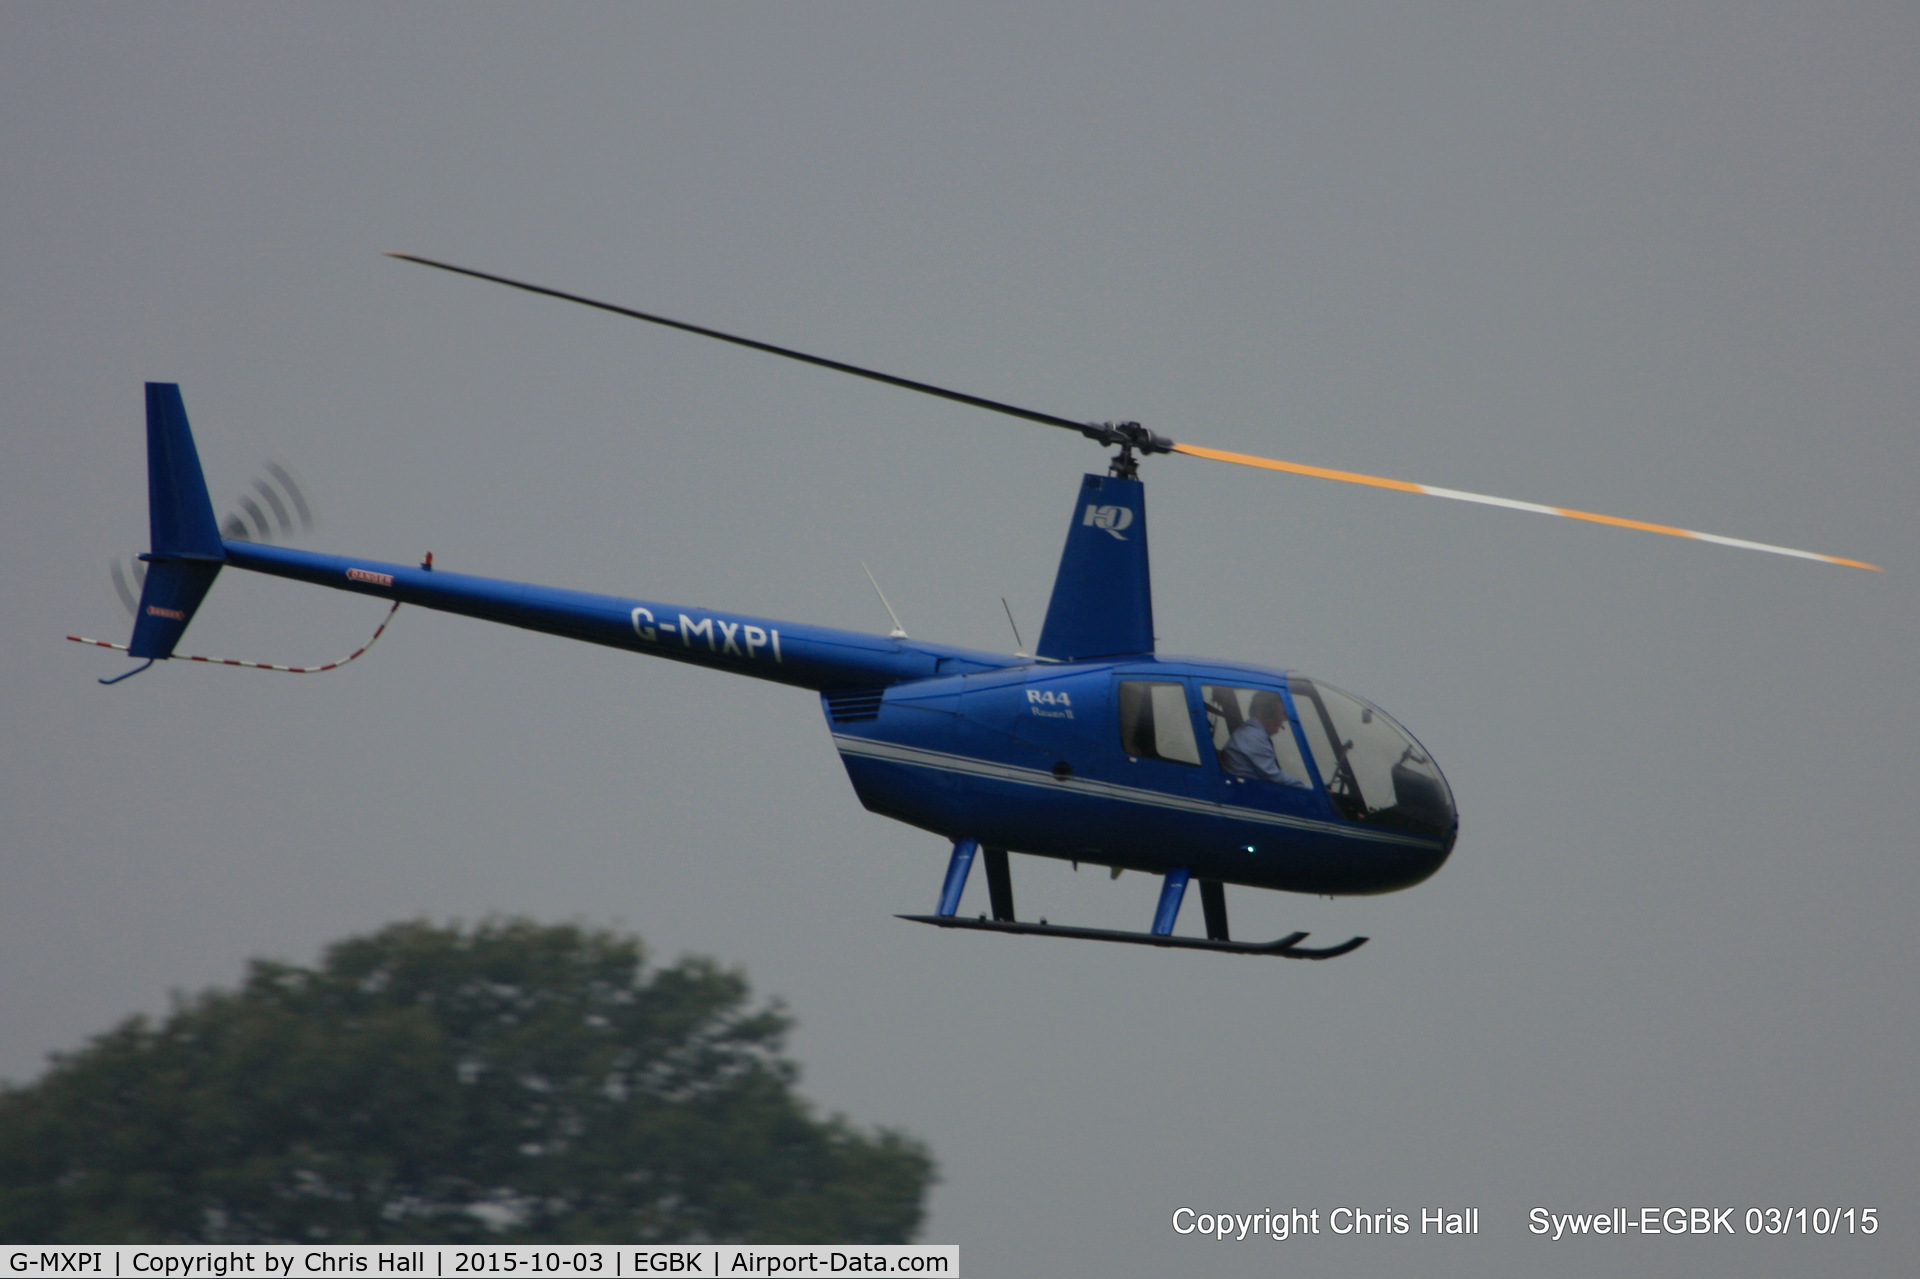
column 1094, row 749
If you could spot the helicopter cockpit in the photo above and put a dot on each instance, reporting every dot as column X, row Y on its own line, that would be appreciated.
column 1371, row 769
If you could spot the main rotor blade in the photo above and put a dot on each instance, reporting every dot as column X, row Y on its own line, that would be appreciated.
column 1375, row 481
column 873, row 375
column 1132, row 434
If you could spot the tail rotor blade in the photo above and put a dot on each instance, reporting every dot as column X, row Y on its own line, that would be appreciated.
column 279, row 508
column 1404, row 486
column 295, row 491
column 274, row 510
column 262, row 531
column 129, row 592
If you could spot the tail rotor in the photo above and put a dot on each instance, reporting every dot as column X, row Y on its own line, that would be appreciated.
column 280, row 512
column 129, row 593
column 272, row 510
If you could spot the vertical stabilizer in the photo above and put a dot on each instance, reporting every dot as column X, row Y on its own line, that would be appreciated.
column 186, row 553
column 178, row 509
column 1102, row 598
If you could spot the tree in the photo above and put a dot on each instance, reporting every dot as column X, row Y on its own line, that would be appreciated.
column 511, row 1081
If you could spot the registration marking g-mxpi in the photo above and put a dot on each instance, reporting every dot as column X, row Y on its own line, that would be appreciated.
column 721, row 635
column 53, row 1261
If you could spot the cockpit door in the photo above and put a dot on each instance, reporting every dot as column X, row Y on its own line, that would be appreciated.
column 1164, row 765
column 1260, row 757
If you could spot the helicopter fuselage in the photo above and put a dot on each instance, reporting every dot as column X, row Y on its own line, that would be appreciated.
column 1096, row 748
column 1022, row 754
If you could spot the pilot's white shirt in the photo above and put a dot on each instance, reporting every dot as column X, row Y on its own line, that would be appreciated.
column 1249, row 753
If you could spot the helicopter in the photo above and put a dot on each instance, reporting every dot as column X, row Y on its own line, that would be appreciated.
column 1095, row 748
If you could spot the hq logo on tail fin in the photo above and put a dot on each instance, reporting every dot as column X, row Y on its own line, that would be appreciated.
column 1109, row 519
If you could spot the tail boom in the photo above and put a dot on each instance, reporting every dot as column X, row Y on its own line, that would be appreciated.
column 813, row 657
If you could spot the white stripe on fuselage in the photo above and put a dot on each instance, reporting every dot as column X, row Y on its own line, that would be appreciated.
column 968, row 766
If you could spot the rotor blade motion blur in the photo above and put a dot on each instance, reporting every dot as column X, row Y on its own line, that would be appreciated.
column 1403, row 486
column 1131, row 436
column 874, row 375
column 274, row 511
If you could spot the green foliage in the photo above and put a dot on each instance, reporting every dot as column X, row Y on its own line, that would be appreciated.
column 508, row 1082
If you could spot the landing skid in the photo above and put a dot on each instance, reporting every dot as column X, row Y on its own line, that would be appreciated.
column 1286, row 948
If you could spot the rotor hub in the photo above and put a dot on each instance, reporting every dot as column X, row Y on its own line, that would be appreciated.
column 1129, row 437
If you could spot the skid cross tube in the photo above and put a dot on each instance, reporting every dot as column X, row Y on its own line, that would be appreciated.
column 1287, row 947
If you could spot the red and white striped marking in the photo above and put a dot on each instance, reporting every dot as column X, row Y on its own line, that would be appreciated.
column 262, row 666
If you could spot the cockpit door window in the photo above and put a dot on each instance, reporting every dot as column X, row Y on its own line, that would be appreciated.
column 1253, row 735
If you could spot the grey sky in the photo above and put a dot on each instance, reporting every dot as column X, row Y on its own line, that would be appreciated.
column 1652, row 260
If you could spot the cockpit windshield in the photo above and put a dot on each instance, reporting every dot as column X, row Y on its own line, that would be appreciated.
column 1372, row 768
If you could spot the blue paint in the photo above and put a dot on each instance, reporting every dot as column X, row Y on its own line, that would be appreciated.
column 983, row 749
column 1173, row 891
column 168, row 601
column 178, row 510
column 185, row 553
column 957, row 868
column 1102, row 602
column 128, row 674
column 815, row 657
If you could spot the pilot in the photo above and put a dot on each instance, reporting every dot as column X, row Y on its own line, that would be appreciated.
column 1249, row 752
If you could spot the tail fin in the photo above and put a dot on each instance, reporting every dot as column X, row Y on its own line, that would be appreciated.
column 1102, row 597
column 186, row 554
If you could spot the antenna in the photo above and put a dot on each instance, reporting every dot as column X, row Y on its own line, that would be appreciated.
column 898, row 631
column 1019, row 646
